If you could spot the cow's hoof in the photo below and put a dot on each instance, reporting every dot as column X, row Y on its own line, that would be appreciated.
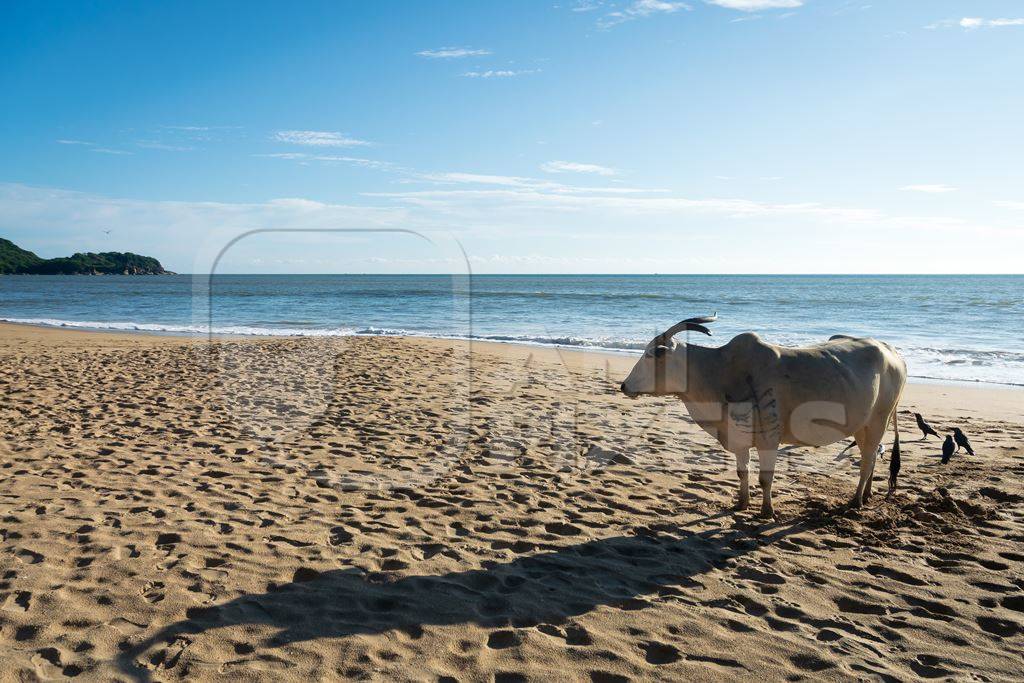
column 856, row 503
column 741, row 505
column 766, row 513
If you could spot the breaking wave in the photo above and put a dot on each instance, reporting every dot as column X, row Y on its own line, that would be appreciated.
column 925, row 362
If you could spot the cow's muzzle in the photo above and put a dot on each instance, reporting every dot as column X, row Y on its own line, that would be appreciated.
column 627, row 392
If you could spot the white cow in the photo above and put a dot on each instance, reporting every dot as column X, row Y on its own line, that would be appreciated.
column 751, row 394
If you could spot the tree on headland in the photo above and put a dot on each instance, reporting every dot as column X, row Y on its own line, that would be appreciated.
column 15, row 260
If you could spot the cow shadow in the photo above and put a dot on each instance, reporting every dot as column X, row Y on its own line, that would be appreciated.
column 548, row 587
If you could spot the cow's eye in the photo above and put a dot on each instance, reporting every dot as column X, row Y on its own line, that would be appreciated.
column 660, row 351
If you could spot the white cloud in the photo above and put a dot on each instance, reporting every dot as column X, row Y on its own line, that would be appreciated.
column 637, row 9
column 330, row 158
column 452, row 53
column 936, row 188
column 973, row 23
column 519, row 182
column 317, row 138
column 1018, row 206
column 153, row 144
column 477, row 178
column 575, row 167
column 93, row 147
column 62, row 221
column 756, row 5
column 516, row 218
column 606, row 199
column 499, row 73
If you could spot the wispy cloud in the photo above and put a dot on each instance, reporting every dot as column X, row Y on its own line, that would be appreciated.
column 525, row 204
column 756, row 5
column 499, row 73
column 475, row 178
column 638, row 9
column 453, row 53
column 936, row 188
column 330, row 158
column 317, row 138
column 1018, row 206
column 109, row 150
column 483, row 212
column 973, row 23
column 172, row 230
column 519, row 183
column 575, row 167
column 92, row 147
column 154, row 144
column 587, row 5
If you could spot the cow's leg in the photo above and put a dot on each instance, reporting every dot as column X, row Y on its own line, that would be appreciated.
column 766, row 465
column 743, row 472
column 867, row 441
column 859, row 439
column 871, row 477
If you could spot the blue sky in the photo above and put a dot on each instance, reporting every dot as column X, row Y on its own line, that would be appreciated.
column 614, row 136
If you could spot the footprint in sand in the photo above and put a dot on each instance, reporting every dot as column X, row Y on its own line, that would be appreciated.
column 26, row 633
column 1004, row 628
column 607, row 677
column 572, row 634
column 660, row 653
column 499, row 640
column 929, row 666
column 29, row 556
column 19, row 601
column 153, row 592
column 47, row 663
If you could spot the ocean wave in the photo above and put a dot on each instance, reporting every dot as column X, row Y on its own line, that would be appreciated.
column 927, row 362
column 239, row 330
column 276, row 331
column 227, row 292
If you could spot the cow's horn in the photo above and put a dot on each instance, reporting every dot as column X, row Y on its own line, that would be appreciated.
column 695, row 324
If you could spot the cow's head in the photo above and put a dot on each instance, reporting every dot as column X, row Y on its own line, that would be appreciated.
column 662, row 368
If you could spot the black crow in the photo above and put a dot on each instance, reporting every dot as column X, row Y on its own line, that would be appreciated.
column 948, row 447
column 894, row 464
column 961, row 441
column 926, row 429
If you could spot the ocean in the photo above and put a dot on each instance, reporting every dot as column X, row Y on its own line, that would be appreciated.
column 948, row 328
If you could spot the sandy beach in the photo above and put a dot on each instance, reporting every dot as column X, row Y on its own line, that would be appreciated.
column 410, row 509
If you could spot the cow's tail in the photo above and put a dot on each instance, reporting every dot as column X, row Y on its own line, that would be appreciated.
column 894, row 458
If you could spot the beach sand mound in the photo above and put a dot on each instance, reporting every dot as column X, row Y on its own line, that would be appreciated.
column 381, row 509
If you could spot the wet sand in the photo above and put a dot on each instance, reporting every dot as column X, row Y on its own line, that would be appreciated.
column 401, row 509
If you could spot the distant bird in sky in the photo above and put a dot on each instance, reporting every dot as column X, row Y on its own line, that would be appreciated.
column 961, row 441
column 926, row 429
column 948, row 447
column 106, row 232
